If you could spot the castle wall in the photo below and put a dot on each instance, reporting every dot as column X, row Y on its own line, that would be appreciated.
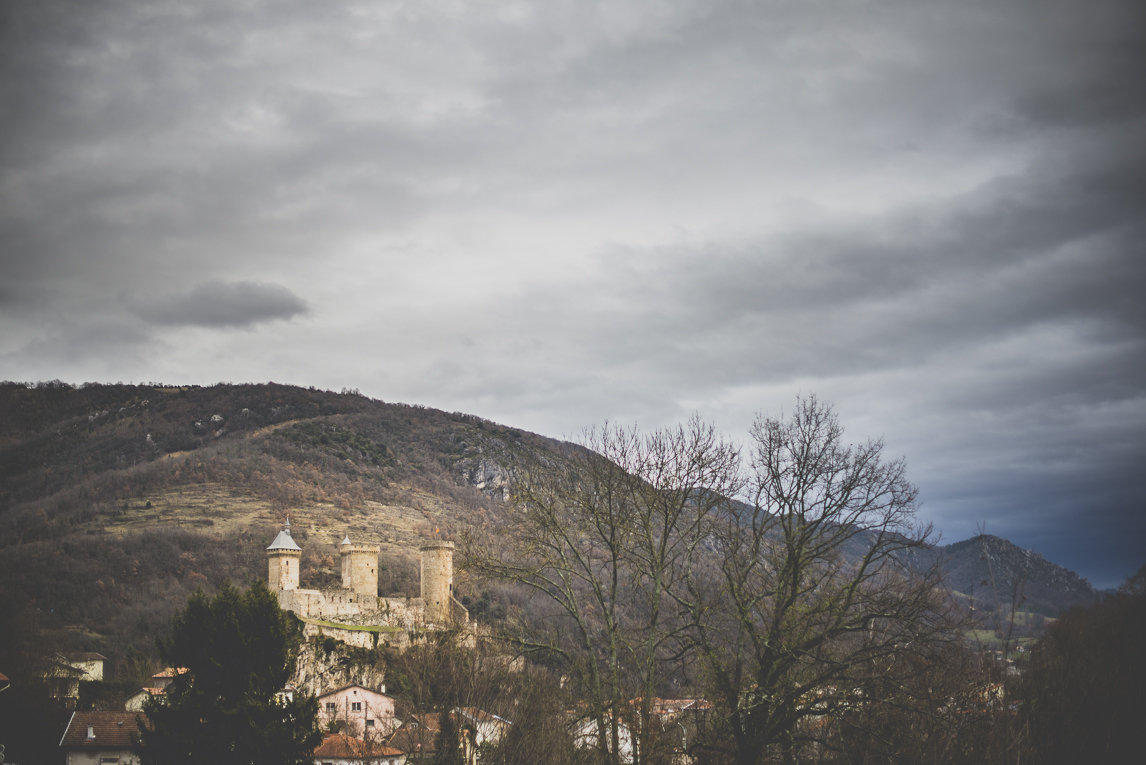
column 357, row 602
column 328, row 604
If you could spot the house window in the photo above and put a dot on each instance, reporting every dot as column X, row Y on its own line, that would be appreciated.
column 356, row 706
column 369, row 723
column 330, row 706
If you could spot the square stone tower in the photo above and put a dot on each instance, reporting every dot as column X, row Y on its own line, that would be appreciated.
column 283, row 558
column 359, row 567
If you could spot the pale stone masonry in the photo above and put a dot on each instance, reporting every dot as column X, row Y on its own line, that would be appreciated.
column 283, row 558
column 356, row 604
column 359, row 567
column 437, row 581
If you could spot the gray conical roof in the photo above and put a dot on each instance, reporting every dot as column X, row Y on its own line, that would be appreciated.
column 284, row 542
column 346, row 541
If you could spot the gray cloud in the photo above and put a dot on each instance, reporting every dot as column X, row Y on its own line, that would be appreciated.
column 550, row 213
column 220, row 304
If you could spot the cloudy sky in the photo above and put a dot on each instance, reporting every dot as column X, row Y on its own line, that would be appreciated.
column 555, row 213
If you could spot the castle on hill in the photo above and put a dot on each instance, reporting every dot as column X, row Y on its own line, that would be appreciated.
column 357, row 603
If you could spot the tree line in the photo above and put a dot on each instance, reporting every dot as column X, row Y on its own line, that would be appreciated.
column 781, row 582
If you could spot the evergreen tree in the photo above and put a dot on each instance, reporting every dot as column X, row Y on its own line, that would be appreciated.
column 1085, row 687
column 31, row 720
column 238, row 648
column 448, row 743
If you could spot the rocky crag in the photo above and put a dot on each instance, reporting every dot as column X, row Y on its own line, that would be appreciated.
column 323, row 667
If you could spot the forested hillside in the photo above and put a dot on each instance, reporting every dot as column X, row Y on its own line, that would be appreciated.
column 628, row 569
column 117, row 501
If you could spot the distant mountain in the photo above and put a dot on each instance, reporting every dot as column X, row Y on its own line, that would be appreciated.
column 118, row 501
column 993, row 570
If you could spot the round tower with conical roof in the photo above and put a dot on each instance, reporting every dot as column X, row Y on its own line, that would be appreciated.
column 359, row 567
column 283, row 558
column 437, row 581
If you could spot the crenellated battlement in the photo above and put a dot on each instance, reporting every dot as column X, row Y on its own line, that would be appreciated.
column 357, row 603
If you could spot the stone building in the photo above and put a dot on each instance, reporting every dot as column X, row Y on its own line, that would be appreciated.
column 357, row 604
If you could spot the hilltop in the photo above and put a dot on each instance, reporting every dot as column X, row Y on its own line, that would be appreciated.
column 991, row 569
column 117, row 501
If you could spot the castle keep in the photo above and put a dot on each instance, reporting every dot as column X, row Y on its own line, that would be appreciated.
column 357, row 603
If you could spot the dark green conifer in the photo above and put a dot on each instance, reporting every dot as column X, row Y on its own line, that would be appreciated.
column 448, row 742
column 239, row 649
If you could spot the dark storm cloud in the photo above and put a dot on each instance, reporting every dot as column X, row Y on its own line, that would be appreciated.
column 224, row 304
column 555, row 212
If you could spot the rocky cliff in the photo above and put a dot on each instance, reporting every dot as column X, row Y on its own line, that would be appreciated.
column 319, row 670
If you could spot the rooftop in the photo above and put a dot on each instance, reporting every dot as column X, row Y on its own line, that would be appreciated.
column 284, row 542
column 110, row 729
column 335, row 745
column 351, row 685
column 172, row 672
column 85, row 656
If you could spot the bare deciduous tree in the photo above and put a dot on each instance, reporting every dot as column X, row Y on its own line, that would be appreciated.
column 813, row 589
column 603, row 538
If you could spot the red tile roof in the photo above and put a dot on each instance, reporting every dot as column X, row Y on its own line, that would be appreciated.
column 352, row 685
column 171, row 672
column 335, row 745
column 152, row 691
column 418, row 734
column 112, row 729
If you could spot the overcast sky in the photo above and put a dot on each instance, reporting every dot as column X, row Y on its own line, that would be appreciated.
column 550, row 214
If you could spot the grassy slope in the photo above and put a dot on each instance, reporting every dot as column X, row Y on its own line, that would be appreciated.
column 117, row 501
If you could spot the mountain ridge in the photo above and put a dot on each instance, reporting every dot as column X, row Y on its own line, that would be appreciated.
column 117, row 501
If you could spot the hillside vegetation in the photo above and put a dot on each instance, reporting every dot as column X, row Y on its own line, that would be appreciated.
column 118, row 501
column 631, row 569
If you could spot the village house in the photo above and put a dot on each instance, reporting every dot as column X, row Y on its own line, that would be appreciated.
column 64, row 682
column 102, row 738
column 486, row 728
column 357, row 711
column 157, row 690
column 585, row 734
column 166, row 677
column 90, row 663
column 416, row 738
column 135, row 702
column 337, row 749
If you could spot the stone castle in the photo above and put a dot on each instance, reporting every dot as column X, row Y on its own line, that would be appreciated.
column 357, row 605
